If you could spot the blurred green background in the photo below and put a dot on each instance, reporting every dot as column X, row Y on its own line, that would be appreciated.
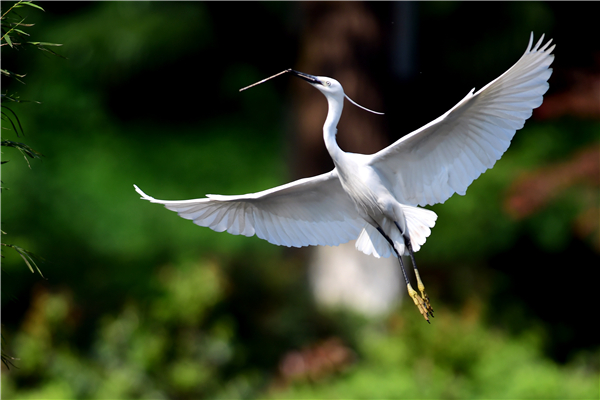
column 139, row 303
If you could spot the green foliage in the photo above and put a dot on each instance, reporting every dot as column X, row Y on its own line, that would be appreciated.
column 177, row 345
column 12, row 23
column 132, row 349
column 458, row 359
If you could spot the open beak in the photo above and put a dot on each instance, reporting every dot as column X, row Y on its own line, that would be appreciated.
column 308, row 78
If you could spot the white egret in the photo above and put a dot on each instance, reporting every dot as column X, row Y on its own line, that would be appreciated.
column 374, row 198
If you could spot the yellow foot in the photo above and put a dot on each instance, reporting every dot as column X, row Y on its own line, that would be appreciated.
column 421, row 305
column 423, row 294
column 426, row 301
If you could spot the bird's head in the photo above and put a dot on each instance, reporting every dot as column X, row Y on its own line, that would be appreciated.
column 329, row 87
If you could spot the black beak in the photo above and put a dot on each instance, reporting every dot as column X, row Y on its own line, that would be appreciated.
column 308, row 78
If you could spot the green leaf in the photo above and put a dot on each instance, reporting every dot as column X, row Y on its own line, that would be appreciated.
column 6, row 116
column 6, row 359
column 27, row 256
column 9, row 74
column 44, row 44
column 41, row 46
column 7, row 39
column 6, row 36
column 20, row 23
column 21, row 32
column 12, row 74
column 24, row 149
column 16, row 99
column 30, row 4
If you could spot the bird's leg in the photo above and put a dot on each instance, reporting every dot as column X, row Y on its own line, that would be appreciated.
column 422, row 305
column 420, row 285
column 419, row 302
column 419, row 282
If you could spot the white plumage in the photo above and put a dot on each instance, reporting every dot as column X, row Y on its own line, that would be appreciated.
column 374, row 198
column 362, row 192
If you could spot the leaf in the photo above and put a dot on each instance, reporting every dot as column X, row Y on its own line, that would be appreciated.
column 16, row 99
column 44, row 44
column 6, row 359
column 11, row 122
column 30, row 4
column 11, row 74
column 21, row 32
column 6, row 116
column 27, row 256
column 20, row 23
column 24, row 149
column 6, row 72
column 7, row 38
column 41, row 46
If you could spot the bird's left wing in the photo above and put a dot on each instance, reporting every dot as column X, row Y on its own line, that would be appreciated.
column 443, row 157
column 309, row 211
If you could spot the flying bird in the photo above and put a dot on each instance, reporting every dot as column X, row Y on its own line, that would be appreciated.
column 375, row 198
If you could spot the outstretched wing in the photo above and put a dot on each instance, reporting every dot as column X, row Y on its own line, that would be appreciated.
column 445, row 156
column 310, row 211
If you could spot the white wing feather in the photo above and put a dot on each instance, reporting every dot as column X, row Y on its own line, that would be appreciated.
column 445, row 156
column 310, row 211
column 426, row 166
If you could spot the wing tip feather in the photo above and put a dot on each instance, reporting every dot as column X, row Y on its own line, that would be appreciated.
column 530, row 43
column 539, row 42
column 141, row 193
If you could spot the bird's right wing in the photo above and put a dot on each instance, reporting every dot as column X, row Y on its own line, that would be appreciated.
column 309, row 211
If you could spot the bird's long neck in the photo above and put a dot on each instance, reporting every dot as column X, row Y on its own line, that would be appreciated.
column 330, row 128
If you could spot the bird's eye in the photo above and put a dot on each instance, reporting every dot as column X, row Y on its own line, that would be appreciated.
column 328, row 83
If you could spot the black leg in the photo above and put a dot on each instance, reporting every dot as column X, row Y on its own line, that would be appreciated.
column 421, row 305
column 397, row 255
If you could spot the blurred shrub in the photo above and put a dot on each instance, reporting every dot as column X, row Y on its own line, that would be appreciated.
column 177, row 346
column 162, row 348
column 454, row 358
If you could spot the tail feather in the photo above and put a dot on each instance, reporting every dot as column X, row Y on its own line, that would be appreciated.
column 419, row 222
column 371, row 242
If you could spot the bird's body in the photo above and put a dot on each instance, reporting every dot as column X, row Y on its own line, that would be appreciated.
column 374, row 198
